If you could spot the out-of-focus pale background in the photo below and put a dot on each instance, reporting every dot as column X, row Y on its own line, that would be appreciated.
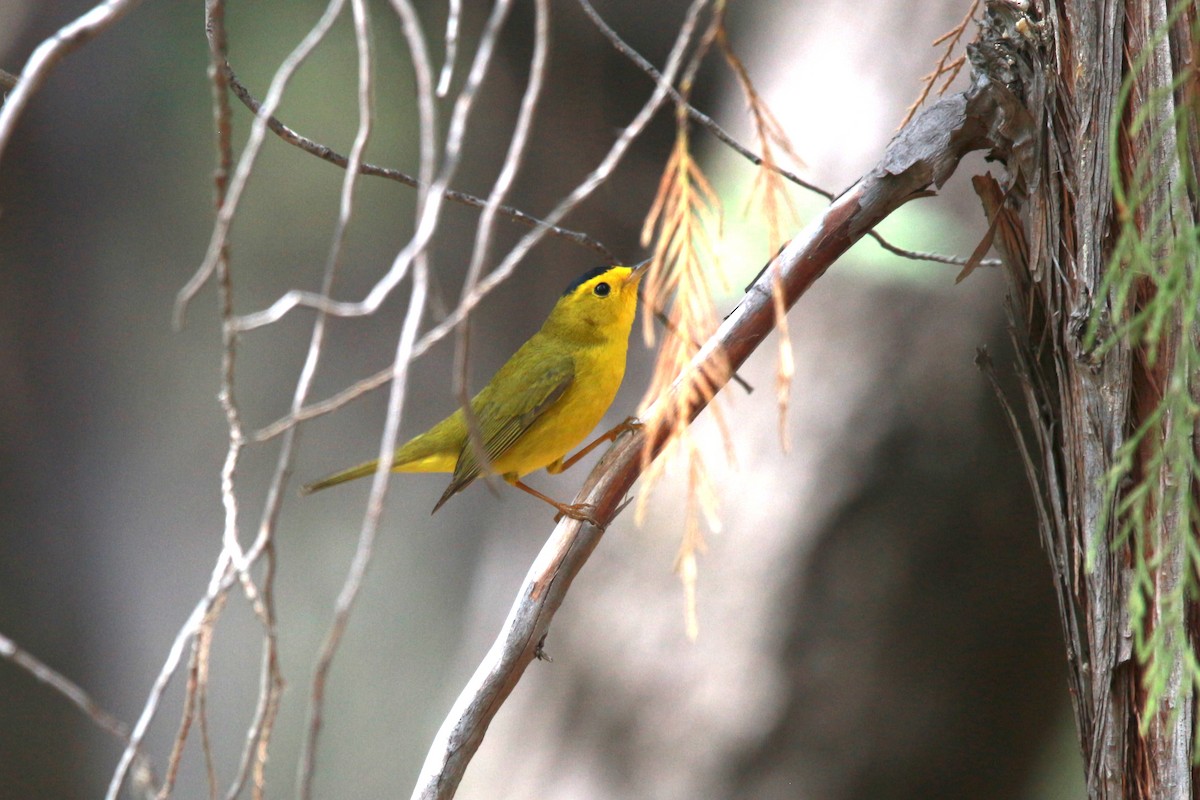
column 876, row 621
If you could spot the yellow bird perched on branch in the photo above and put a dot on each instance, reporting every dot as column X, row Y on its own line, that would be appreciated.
column 544, row 401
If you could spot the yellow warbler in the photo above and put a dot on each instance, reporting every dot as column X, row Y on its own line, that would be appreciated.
column 545, row 399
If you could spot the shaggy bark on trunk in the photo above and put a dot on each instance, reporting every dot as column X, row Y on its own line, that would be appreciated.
column 1090, row 251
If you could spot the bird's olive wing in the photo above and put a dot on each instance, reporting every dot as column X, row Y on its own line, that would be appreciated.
column 506, row 417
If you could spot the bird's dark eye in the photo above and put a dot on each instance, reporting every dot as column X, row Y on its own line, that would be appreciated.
column 602, row 289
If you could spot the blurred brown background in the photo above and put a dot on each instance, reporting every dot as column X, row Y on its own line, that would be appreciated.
column 876, row 619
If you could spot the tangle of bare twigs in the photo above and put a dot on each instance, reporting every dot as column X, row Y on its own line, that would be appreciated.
column 236, row 561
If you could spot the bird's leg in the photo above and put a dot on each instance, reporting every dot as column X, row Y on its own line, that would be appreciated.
column 584, row 512
column 629, row 424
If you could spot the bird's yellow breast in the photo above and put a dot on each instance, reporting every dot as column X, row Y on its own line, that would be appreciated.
column 599, row 370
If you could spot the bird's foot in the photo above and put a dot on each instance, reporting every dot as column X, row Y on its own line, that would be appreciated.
column 626, row 425
column 584, row 512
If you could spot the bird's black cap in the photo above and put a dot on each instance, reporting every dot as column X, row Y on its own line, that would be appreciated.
column 584, row 278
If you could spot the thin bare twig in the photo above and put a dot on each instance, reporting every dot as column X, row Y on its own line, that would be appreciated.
column 193, row 696
column 325, row 153
column 427, row 211
column 203, row 662
column 333, row 403
column 8, row 80
column 79, row 698
column 711, row 125
column 226, row 396
column 483, row 232
column 366, row 542
column 230, row 540
column 270, row 689
column 195, row 693
column 279, row 82
column 453, row 14
column 920, row 156
column 218, row 49
column 46, row 56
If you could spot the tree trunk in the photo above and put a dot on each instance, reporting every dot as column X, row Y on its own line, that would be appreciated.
column 1116, row 531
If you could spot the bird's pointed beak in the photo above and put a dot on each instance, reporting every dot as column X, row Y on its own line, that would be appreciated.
column 638, row 272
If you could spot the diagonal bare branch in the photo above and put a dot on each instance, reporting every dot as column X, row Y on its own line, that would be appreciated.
column 922, row 156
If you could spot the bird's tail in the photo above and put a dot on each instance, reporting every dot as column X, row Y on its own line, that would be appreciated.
column 424, row 453
column 360, row 471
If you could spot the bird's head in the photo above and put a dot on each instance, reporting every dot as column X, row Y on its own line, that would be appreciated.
column 599, row 304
